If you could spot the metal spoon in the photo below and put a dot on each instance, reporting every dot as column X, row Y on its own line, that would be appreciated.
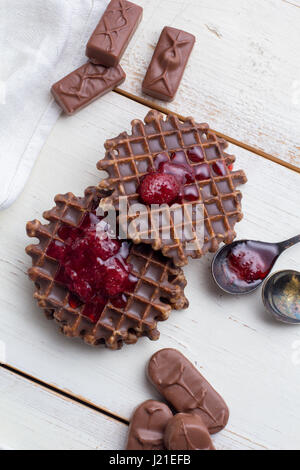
column 281, row 296
column 242, row 266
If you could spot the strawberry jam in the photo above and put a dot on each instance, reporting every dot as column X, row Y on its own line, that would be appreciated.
column 187, row 170
column 202, row 172
column 195, row 155
column 219, row 168
column 250, row 261
column 92, row 265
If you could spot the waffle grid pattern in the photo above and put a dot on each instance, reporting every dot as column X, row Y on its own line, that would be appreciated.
column 159, row 288
column 130, row 157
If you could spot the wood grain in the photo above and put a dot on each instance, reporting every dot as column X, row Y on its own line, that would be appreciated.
column 245, row 354
column 244, row 74
column 32, row 418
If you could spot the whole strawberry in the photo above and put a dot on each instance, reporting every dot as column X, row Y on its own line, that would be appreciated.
column 159, row 188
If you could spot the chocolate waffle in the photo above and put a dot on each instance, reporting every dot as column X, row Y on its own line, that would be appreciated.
column 129, row 158
column 159, row 285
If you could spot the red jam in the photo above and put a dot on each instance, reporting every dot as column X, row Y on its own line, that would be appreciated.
column 252, row 261
column 187, row 174
column 186, row 170
column 202, row 172
column 92, row 266
column 195, row 155
column 184, row 174
column 219, row 168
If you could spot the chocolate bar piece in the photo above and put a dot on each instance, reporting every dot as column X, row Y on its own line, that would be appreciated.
column 84, row 85
column 113, row 33
column 147, row 426
column 186, row 431
column 168, row 63
column 186, row 389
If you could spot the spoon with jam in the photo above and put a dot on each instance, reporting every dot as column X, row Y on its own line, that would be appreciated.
column 242, row 266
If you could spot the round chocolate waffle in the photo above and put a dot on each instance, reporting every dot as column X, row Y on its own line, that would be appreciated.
column 130, row 158
column 152, row 285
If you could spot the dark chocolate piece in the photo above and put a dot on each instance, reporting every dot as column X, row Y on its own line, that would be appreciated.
column 186, row 389
column 168, row 63
column 147, row 426
column 86, row 84
column 113, row 33
column 186, row 431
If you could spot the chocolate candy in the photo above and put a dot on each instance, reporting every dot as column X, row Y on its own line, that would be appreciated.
column 113, row 33
column 147, row 427
column 186, row 431
column 84, row 85
column 168, row 63
column 186, row 389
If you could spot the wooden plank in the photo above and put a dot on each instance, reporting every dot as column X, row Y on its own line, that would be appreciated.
column 245, row 355
column 244, row 74
column 34, row 418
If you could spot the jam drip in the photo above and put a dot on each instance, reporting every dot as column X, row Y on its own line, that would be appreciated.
column 92, row 266
column 186, row 171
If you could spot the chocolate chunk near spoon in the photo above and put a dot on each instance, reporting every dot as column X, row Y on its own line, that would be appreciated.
column 182, row 385
column 186, row 431
column 147, row 426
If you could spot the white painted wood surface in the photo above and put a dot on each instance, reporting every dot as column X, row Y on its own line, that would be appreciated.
column 243, row 77
column 246, row 355
column 31, row 417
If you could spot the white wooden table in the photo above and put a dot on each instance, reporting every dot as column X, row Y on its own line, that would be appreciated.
column 244, row 79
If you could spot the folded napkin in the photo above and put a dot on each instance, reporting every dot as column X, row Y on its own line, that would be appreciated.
column 40, row 42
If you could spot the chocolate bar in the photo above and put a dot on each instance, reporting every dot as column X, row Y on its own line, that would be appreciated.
column 113, row 33
column 84, row 85
column 186, row 389
column 147, row 426
column 186, row 431
column 168, row 64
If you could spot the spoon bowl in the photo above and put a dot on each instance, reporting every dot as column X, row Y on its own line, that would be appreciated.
column 281, row 296
column 242, row 266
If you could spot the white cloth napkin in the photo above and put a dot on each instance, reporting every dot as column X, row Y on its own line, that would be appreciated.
column 40, row 42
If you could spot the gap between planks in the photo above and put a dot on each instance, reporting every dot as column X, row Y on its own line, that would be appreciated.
column 63, row 393
column 80, row 401
column 251, row 149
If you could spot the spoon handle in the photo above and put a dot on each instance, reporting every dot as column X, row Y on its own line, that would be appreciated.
column 288, row 243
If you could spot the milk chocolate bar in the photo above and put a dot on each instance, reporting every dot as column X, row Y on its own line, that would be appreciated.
column 84, row 85
column 186, row 389
column 113, row 33
column 168, row 63
column 147, row 426
column 186, row 431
